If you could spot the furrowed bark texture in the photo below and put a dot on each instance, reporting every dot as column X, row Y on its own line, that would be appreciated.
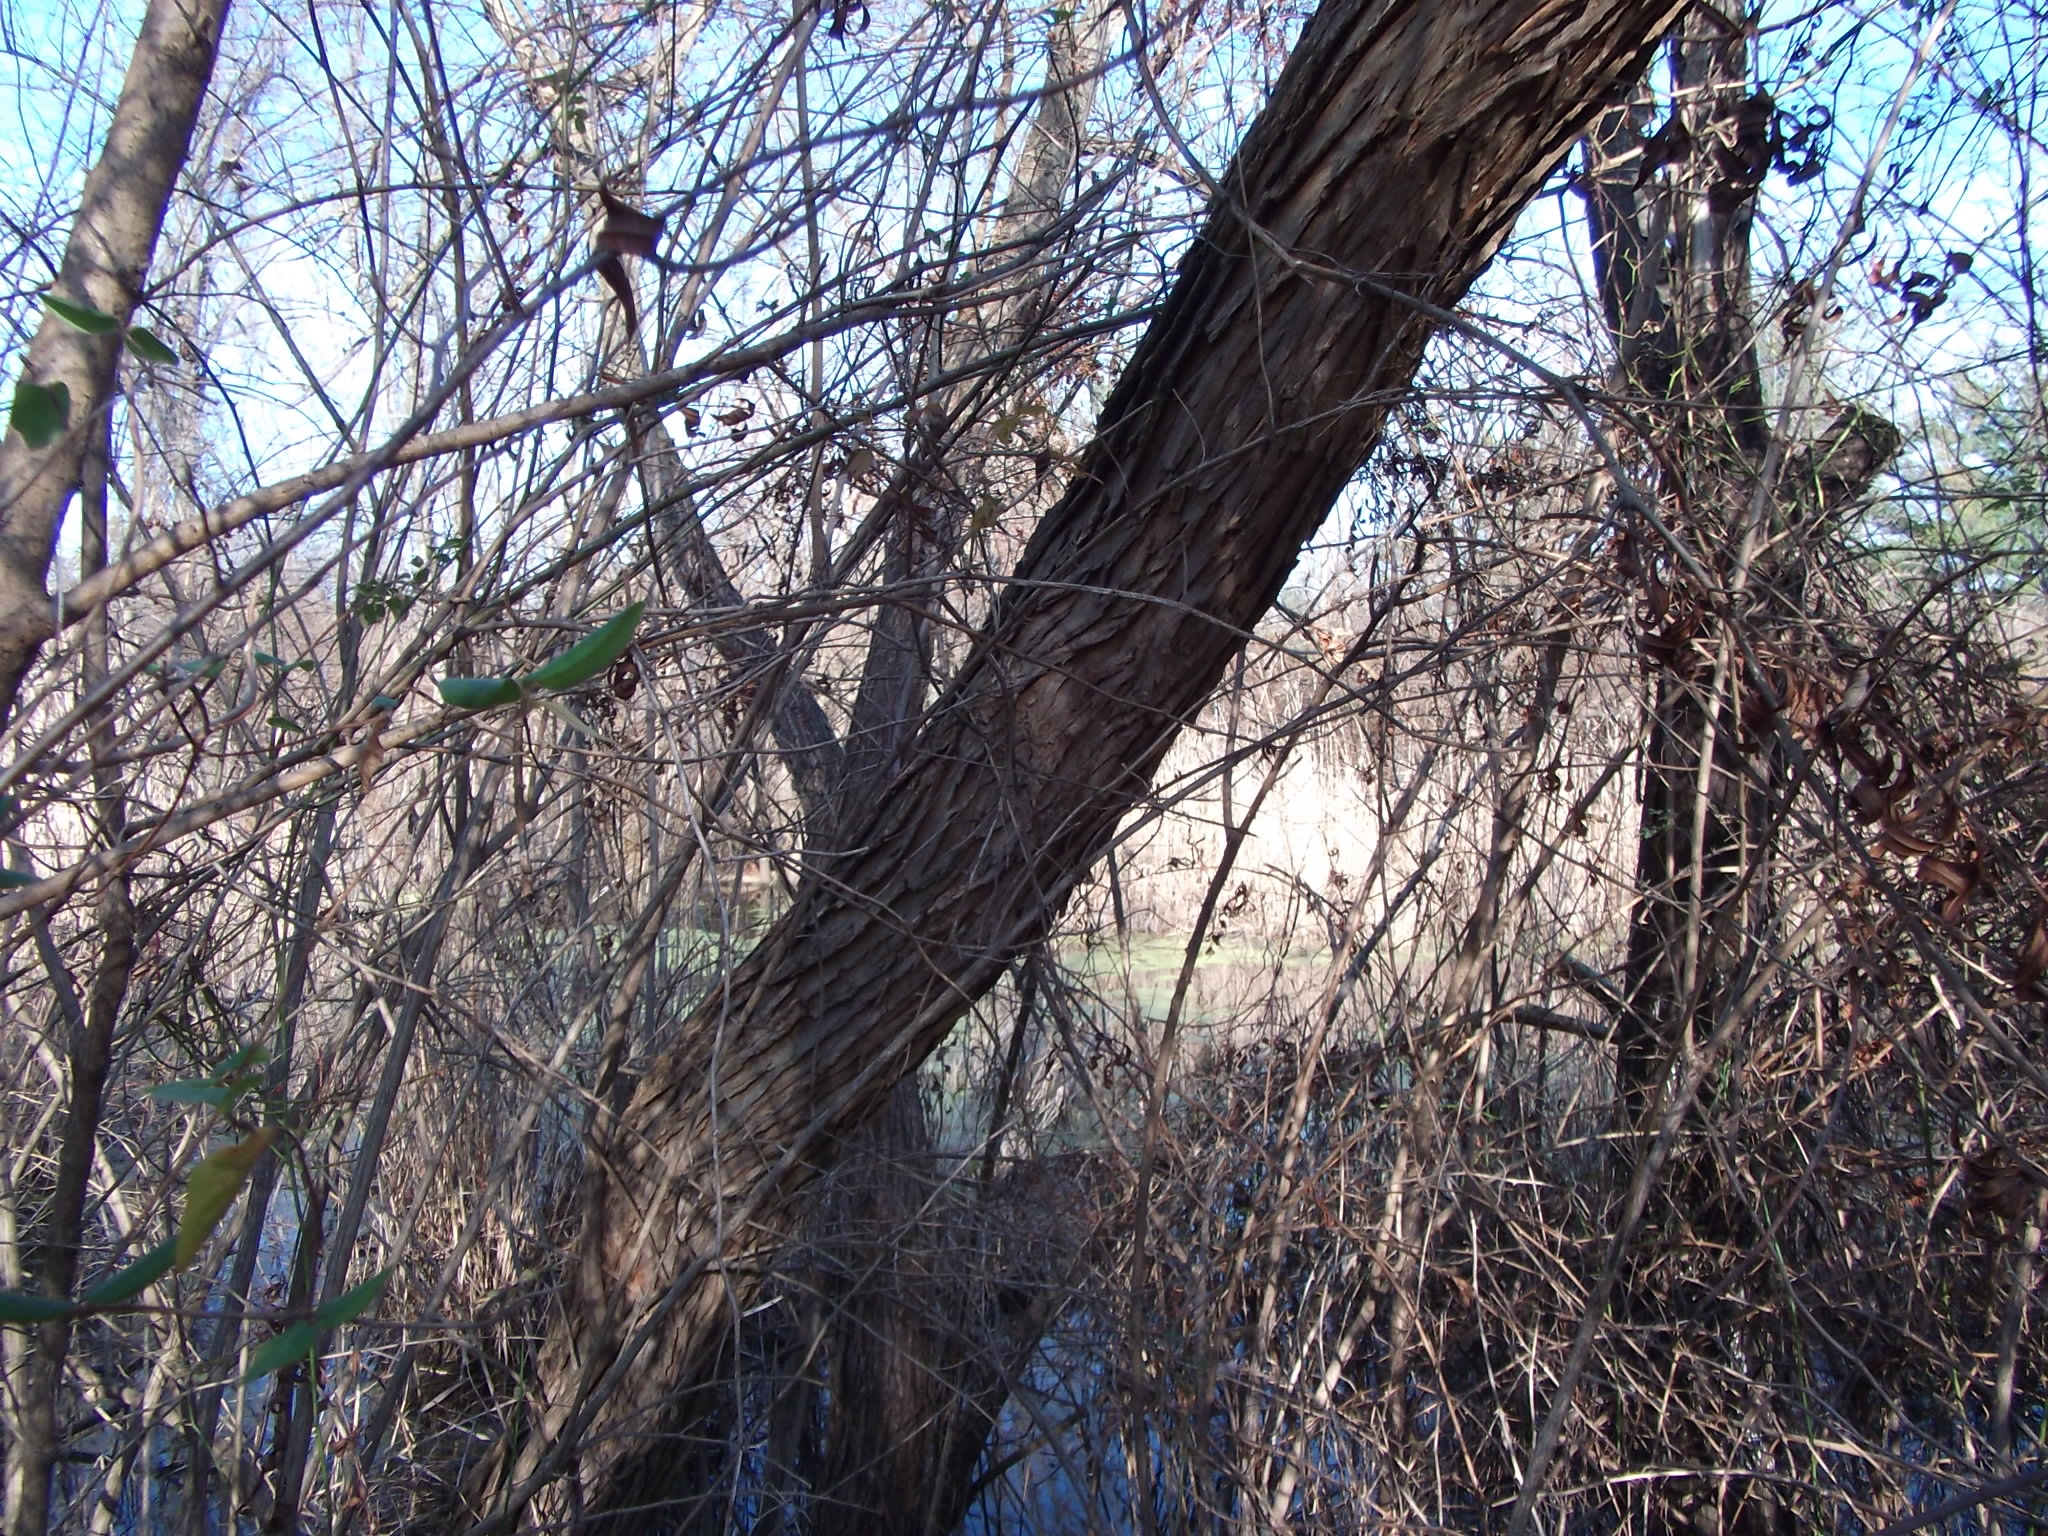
column 105, row 261
column 1401, row 143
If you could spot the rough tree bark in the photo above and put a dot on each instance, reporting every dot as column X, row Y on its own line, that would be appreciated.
column 1401, row 143
column 929, row 501
column 914, row 1348
column 910, row 1402
column 105, row 262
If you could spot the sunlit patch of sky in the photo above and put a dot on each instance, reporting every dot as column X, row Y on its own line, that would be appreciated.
column 1947, row 178
column 856, row 95
column 1944, row 182
column 60, row 63
column 288, row 197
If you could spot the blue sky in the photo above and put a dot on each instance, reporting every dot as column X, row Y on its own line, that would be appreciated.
column 1950, row 182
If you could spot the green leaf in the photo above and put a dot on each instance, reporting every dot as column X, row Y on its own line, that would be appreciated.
column 247, row 1056
column 287, row 723
column 350, row 1305
column 21, row 1307
column 295, row 1343
column 127, row 1284
column 15, row 879
column 191, row 1090
column 40, row 412
column 477, row 692
column 212, row 1188
column 146, row 345
column 589, row 656
column 81, row 317
column 384, row 703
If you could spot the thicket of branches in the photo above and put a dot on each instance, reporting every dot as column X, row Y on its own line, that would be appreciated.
column 1555, row 1045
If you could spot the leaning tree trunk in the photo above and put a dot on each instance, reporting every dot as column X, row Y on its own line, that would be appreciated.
column 914, row 1349
column 105, row 262
column 1402, row 142
column 106, row 259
